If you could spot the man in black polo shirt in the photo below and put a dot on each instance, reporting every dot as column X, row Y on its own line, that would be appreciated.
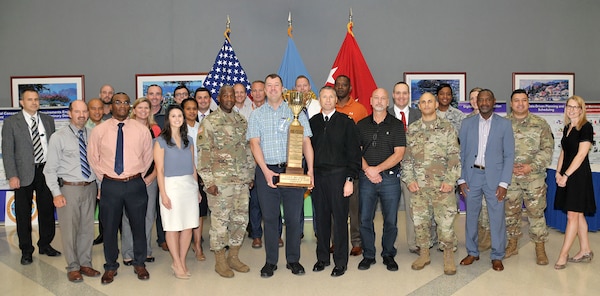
column 334, row 173
column 383, row 142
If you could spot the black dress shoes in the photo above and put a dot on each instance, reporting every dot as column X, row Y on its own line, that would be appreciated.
column 98, row 240
column 366, row 263
column 150, row 259
column 128, row 262
column 26, row 259
column 296, row 268
column 50, row 251
column 338, row 271
column 320, row 265
column 390, row 263
column 267, row 270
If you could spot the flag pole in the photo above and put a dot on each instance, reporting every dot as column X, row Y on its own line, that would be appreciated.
column 290, row 25
column 228, row 29
column 350, row 23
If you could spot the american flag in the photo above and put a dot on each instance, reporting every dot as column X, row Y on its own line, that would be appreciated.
column 227, row 70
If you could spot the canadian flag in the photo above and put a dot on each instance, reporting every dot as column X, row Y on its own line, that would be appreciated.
column 350, row 62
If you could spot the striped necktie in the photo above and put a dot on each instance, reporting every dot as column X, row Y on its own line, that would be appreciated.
column 38, row 152
column 85, row 166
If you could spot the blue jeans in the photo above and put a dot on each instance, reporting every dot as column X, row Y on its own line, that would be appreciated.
column 388, row 193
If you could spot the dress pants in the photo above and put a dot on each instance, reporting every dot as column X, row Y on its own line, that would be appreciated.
column 76, row 220
column 270, row 200
column 354, row 213
column 116, row 196
column 127, row 238
column 477, row 188
column 255, row 215
column 45, row 208
column 331, row 206
column 388, row 193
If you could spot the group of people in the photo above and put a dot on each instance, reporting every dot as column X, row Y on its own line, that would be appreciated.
column 148, row 165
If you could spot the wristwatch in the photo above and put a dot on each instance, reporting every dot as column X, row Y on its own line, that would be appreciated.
column 350, row 179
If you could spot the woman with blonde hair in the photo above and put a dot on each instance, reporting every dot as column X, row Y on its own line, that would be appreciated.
column 142, row 114
column 575, row 192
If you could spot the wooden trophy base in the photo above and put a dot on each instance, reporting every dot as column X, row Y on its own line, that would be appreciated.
column 294, row 180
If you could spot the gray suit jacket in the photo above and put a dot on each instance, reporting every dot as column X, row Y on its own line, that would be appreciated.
column 17, row 146
column 413, row 114
column 499, row 152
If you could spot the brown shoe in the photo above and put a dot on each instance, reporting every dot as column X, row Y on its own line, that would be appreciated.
column 88, row 271
column 497, row 265
column 74, row 276
column 141, row 272
column 331, row 249
column 257, row 243
column 356, row 251
column 164, row 247
column 280, row 242
column 108, row 277
column 469, row 260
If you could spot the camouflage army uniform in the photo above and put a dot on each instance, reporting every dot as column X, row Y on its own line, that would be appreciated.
column 534, row 144
column 432, row 158
column 225, row 160
column 453, row 115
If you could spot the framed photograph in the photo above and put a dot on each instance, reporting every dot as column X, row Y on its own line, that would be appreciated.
column 422, row 82
column 169, row 82
column 545, row 86
column 55, row 91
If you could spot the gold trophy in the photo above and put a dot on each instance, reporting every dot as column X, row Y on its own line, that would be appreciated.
column 294, row 173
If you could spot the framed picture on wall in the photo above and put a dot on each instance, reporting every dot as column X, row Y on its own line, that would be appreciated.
column 422, row 82
column 168, row 82
column 545, row 86
column 55, row 91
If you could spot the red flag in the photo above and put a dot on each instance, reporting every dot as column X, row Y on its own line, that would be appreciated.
column 350, row 62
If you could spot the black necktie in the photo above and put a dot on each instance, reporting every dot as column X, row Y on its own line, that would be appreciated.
column 326, row 118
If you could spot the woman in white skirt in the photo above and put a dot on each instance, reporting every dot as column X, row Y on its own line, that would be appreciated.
column 178, row 187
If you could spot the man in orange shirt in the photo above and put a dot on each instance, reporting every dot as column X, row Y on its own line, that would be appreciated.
column 356, row 111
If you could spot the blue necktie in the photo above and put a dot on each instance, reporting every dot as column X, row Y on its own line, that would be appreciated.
column 85, row 166
column 119, row 151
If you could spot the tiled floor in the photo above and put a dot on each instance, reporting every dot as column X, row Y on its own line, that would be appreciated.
column 47, row 275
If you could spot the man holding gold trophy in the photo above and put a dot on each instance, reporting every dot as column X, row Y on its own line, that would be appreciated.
column 279, row 134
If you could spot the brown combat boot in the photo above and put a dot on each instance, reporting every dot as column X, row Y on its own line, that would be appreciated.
column 234, row 261
column 221, row 266
column 449, row 265
column 512, row 248
column 485, row 239
column 540, row 254
column 422, row 260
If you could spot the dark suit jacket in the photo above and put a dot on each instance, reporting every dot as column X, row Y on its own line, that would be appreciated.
column 17, row 146
column 413, row 114
column 499, row 153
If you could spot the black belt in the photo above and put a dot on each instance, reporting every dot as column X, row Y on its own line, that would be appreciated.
column 40, row 165
column 279, row 165
column 479, row 167
column 123, row 179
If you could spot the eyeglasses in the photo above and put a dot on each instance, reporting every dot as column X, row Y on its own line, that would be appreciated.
column 569, row 107
column 118, row 103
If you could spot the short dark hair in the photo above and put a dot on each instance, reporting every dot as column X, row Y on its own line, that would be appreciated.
column 151, row 85
column 185, row 101
column 303, row 76
column 181, row 86
column 518, row 91
column 28, row 89
column 400, row 82
column 201, row 89
column 343, row 76
column 488, row 91
column 443, row 85
column 273, row 76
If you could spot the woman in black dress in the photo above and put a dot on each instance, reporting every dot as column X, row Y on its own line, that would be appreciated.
column 575, row 192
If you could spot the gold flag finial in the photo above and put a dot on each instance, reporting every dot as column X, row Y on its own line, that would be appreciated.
column 350, row 23
column 290, row 24
column 227, row 29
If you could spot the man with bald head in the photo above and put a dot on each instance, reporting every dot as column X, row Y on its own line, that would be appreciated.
column 243, row 104
column 96, row 112
column 430, row 169
column 106, row 94
column 383, row 142
column 73, row 186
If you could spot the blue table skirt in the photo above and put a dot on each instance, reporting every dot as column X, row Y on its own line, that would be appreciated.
column 557, row 218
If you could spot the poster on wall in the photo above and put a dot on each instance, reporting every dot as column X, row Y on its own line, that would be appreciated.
column 545, row 86
column 54, row 91
column 422, row 82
